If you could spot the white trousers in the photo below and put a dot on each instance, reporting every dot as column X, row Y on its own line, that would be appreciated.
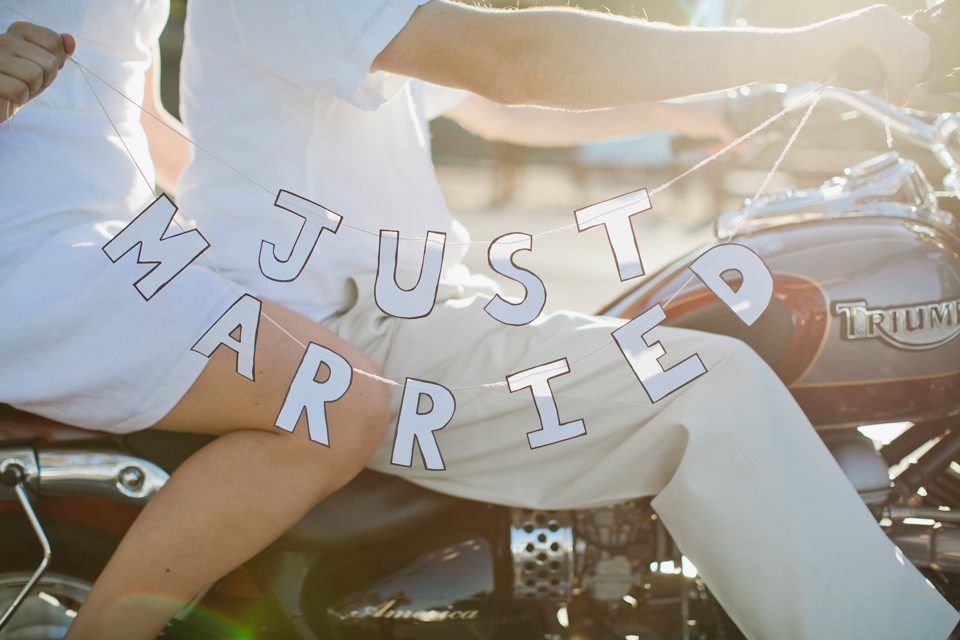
column 743, row 483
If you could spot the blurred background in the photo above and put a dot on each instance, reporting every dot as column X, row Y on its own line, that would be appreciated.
column 496, row 188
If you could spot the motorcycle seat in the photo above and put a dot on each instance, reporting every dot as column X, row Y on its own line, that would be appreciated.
column 370, row 509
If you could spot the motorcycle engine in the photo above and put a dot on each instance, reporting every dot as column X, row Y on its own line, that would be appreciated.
column 612, row 568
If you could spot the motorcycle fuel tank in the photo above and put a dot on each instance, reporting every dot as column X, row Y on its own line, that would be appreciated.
column 864, row 321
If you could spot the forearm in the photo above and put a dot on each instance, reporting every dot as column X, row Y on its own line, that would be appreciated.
column 537, row 127
column 590, row 61
column 573, row 59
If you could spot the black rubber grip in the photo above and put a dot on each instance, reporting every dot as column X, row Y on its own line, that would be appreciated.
column 859, row 69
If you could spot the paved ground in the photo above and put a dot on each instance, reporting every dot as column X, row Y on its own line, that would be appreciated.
column 578, row 269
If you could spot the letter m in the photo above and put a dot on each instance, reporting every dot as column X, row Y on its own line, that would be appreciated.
column 170, row 255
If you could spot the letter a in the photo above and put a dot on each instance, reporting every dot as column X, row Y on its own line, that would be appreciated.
column 169, row 254
column 644, row 357
column 538, row 380
column 315, row 220
column 615, row 215
column 308, row 396
column 500, row 256
column 415, row 426
column 413, row 303
column 244, row 315
column 753, row 296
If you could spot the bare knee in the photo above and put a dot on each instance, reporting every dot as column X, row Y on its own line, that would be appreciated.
column 368, row 411
column 355, row 425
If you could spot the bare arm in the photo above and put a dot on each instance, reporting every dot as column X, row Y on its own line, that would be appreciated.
column 537, row 127
column 169, row 151
column 573, row 59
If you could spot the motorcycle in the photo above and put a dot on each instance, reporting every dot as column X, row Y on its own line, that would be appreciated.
column 863, row 329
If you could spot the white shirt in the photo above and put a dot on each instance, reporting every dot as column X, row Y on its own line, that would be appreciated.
column 63, row 163
column 282, row 93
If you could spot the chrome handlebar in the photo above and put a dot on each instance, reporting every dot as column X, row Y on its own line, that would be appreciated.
column 942, row 137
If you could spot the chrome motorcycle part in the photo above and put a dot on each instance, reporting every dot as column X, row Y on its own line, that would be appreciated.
column 541, row 543
column 48, row 611
column 26, row 460
column 608, row 542
column 79, row 554
column 85, row 473
column 902, row 513
column 863, row 465
column 936, row 546
column 99, row 474
column 902, row 124
column 911, row 440
column 946, row 146
column 611, row 578
column 14, row 476
column 926, row 469
column 885, row 186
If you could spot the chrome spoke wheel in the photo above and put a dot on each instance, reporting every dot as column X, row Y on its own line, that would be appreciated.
column 47, row 611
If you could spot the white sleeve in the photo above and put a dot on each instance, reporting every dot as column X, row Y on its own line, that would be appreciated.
column 437, row 100
column 325, row 46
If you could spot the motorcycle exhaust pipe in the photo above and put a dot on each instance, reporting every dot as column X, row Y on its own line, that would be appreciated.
column 934, row 546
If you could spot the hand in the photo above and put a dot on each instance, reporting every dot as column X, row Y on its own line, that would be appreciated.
column 30, row 57
column 902, row 49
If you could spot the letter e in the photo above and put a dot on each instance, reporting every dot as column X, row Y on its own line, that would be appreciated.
column 644, row 356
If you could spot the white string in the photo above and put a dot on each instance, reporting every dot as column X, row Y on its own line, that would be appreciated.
column 766, row 181
column 150, row 187
column 490, row 385
column 10, row 116
column 663, row 186
column 138, row 106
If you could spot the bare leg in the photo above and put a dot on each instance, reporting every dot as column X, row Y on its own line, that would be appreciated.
column 239, row 493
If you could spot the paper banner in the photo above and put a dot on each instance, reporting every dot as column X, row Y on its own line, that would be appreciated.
column 413, row 303
column 416, row 427
column 751, row 299
column 169, row 253
column 315, row 220
column 307, row 396
column 644, row 356
column 614, row 215
column 500, row 256
column 242, row 316
column 551, row 431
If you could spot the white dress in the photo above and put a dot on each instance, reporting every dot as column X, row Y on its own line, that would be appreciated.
column 78, row 343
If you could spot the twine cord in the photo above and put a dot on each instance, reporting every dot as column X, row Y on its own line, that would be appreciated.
column 501, row 383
